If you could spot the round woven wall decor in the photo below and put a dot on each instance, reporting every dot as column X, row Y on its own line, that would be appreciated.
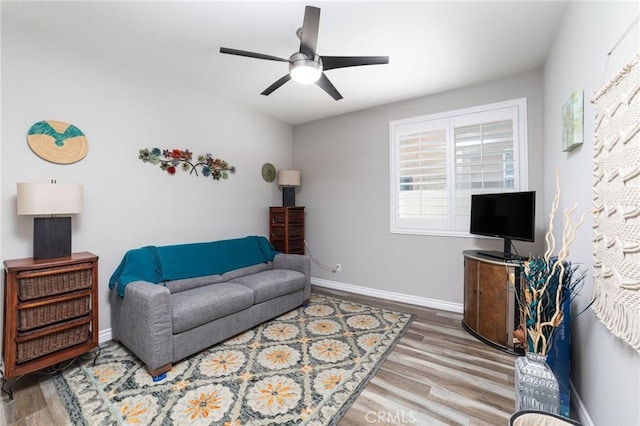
column 268, row 172
column 58, row 142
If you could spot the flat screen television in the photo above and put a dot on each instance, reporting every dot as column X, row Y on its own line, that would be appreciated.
column 507, row 215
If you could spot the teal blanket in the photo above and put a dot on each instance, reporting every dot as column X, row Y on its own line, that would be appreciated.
column 160, row 264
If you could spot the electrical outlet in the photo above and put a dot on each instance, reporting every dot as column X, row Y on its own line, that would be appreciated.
column 338, row 267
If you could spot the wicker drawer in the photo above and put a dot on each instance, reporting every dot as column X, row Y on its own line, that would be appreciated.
column 45, row 344
column 296, row 215
column 52, row 281
column 295, row 245
column 295, row 231
column 51, row 313
column 279, row 215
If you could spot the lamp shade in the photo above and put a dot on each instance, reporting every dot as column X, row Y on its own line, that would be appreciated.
column 49, row 198
column 289, row 178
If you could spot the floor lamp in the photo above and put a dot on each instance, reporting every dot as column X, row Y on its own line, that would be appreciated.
column 52, row 234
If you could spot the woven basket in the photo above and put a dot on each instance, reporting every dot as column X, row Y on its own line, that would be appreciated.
column 43, row 345
column 39, row 316
column 295, row 216
column 295, row 231
column 51, row 281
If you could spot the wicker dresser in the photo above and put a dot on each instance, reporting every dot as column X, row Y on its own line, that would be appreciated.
column 51, row 311
column 286, row 229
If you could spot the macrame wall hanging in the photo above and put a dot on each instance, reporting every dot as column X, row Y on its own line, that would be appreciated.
column 617, row 204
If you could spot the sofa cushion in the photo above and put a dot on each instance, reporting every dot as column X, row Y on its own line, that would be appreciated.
column 269, row 284
column 176, row 286
column 248, row 270
column 201, row 305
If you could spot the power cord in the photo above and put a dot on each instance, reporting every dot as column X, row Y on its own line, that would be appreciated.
column 514, row 248
column 317, row 262
column 518, row 257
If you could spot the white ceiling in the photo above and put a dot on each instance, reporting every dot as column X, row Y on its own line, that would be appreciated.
column 433, row 46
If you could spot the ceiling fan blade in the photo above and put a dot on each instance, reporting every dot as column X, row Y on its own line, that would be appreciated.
column 276, row 85
column 251, row 54
column 333, row 62
column 328, row 87
column 309, row 37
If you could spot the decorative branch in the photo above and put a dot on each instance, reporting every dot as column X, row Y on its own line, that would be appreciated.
column 550, row 282
column 549, row 238
column 170, row 159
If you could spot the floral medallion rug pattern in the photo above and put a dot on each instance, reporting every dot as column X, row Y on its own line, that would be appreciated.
column 304, row 367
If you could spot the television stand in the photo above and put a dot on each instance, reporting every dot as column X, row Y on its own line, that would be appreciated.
column 502, row 256
column 491, row 311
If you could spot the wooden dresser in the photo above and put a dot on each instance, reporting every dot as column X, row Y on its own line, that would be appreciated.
column 286, row 229
column 50, row 311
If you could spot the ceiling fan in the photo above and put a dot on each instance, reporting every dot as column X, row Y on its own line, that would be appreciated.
column 306, row 66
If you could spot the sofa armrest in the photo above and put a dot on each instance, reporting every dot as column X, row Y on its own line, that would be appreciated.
column 296, row 262
column 142, row 321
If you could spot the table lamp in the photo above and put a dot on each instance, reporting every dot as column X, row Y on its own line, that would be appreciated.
column 52, row 234
column 288, row 180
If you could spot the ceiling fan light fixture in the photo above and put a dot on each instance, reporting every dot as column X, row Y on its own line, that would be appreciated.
column 306, row 66
column 305, row 70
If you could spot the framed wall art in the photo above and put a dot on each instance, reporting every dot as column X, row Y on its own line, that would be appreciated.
column 573, row 121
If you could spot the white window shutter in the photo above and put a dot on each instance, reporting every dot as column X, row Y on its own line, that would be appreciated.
column 438, row 161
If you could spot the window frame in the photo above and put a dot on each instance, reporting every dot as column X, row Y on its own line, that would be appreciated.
column 401, row 127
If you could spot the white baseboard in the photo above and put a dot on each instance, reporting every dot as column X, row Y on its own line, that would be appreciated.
column 104, row 336
column 583, row 416
column 389, row 295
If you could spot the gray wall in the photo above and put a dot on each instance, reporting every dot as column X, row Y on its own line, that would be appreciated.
column 605, row 370
column 345, row 187
column 122, row 109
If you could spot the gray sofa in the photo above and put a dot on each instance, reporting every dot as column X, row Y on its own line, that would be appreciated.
column 164, row 322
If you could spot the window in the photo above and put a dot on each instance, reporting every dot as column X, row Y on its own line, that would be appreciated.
column 439, row 160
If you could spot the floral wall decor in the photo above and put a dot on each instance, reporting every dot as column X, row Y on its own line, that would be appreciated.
column 170, row 159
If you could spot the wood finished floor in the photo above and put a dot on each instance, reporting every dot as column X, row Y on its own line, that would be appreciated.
column 438, row 374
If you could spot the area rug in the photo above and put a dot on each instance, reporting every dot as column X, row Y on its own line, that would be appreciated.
column 304, row 367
